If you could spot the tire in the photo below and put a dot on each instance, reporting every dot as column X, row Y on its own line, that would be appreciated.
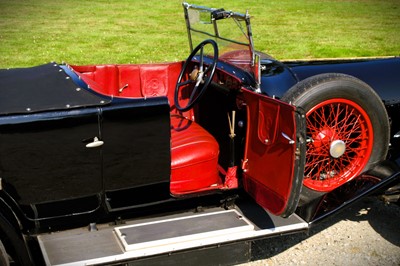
column 347, row 128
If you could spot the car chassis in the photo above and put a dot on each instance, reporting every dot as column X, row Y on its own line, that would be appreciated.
column 186, row 161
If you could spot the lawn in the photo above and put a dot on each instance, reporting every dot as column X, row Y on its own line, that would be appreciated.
column 34, row 32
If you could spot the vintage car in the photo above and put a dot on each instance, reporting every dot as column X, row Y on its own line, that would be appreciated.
column 187, row 161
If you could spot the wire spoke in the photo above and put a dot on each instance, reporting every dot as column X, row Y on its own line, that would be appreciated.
column 328, row 121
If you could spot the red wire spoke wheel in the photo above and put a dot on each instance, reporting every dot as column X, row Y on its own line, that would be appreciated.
column 339, row 145
column 347, row 128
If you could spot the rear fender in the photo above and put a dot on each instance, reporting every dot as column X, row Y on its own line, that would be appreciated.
column 11, row 236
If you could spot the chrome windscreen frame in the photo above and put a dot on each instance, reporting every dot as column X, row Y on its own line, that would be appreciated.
column 218, row 14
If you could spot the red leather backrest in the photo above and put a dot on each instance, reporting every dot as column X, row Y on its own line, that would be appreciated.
column 145, row 80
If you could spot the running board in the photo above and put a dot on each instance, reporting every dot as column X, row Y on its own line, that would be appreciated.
column 169, row 235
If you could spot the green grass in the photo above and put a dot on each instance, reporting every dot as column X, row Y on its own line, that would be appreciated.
column 33, row 32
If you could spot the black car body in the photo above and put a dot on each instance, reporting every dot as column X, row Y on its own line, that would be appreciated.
column 136, row 152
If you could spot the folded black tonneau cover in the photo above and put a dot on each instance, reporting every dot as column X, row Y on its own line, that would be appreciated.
column 43, row 88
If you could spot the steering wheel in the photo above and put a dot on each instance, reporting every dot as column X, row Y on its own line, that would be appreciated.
column 199, row 78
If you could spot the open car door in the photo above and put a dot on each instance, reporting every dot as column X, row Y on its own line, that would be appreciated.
column 273, row 164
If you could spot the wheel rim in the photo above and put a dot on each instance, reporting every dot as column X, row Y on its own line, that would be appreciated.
column 339, row 144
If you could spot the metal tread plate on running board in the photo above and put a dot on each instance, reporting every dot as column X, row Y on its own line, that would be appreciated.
column 184, row 232
column 168, row 235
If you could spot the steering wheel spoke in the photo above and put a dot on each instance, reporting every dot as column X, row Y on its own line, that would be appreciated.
column 201, row 59
column 199, row 78
column 192, row 95
column 189, row 81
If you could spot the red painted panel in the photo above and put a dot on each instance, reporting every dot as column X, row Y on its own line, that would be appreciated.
column 269, row 155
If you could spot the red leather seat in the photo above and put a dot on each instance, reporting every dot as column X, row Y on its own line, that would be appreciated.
column 194, row 157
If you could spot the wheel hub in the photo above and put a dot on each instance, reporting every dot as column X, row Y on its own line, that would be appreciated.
column 337, row 148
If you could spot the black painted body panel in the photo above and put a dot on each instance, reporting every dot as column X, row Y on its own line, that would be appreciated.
column 136, row 153
column 48, row 171
column 43, row 159
column 383, row 75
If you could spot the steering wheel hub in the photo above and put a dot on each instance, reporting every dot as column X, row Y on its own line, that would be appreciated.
column 194, row 74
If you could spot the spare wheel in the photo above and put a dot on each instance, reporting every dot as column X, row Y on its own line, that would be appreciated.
column 347, row 128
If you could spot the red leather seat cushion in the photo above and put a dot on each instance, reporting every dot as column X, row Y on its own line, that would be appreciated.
column 194, row 157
